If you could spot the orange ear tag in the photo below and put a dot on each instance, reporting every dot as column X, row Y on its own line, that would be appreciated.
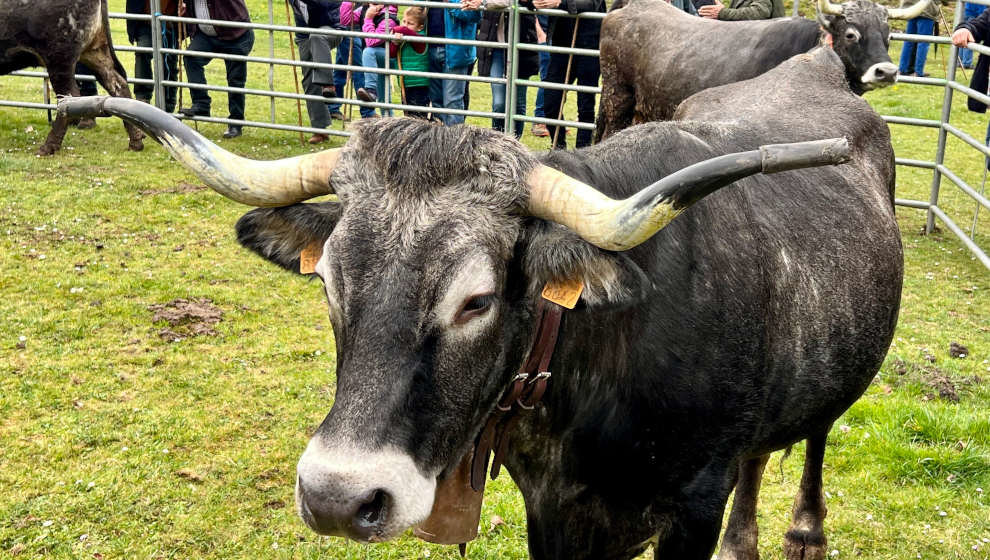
column 564, row 293
column 309, row 256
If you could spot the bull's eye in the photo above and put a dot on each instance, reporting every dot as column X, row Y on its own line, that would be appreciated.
column 852, row 36
column 474, row 306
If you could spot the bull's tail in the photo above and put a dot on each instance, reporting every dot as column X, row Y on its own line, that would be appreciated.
column 105, row 16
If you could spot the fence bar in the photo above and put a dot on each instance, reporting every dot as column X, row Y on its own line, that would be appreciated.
column 982, row 98
column 911, row 121
column 911, row 203
column 555, row 85
column 969, row 243
column 509, row 123
column 967, row 139
column 944, row 119
column 271, row 54
column 915, row 163
column 964, row 186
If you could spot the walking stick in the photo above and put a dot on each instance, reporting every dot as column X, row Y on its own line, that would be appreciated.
column 563, row 93
column 958, row 60
column 349, row 79
column 295, row 72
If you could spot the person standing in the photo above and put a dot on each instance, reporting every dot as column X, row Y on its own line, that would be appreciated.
column 539, row 129
column 740, row 10
column 316, row 47
column 918, row 52
column 971, row 11
column 139, row 33
column 564, row 68
column 219, row 39
column 494, row 27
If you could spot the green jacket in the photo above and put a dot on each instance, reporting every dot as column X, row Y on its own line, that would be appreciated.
column 752, row 9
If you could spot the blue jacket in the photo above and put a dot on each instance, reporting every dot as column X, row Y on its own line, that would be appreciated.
column 460, row 24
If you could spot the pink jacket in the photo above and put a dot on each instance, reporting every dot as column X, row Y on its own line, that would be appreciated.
column 350, row 13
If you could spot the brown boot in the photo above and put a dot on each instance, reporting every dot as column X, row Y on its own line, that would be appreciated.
column 318, row 138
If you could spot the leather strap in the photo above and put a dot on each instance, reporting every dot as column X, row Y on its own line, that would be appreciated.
column 523, row 393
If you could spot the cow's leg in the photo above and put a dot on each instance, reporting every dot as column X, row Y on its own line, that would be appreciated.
column 104, row 66
column 805, row 540
column 741, row 534
column 62, row 76
column 695, row 527
column 615, row 110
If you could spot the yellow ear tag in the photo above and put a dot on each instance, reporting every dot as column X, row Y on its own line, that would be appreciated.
column 564, row 293
column 309, row 256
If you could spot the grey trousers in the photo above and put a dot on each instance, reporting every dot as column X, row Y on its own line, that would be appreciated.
column 317, row 48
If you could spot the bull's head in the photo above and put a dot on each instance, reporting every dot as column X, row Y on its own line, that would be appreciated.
column 432, row 257
column 861, row 37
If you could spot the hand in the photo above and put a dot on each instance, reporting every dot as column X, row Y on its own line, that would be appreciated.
column 546, row 4
column 182, row 9
column 470, row 4
column 962, row 37
column 541, row 35
column 373, row 10
column 712, row 11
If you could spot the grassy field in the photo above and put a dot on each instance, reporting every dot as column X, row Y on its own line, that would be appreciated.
column 125, row 437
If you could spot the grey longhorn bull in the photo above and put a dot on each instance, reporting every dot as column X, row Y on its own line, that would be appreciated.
column 57, row 34
column 750, row 321
column 653, row 56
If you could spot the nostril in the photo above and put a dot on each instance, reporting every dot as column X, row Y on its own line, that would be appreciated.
column 373, row 511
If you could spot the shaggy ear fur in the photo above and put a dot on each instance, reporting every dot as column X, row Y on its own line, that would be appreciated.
column 280, row 234
column 611, row 279
column 827, row 22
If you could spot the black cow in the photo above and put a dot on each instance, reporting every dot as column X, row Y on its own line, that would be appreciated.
column 56, row 34
column 654, row 56
column 751, row 321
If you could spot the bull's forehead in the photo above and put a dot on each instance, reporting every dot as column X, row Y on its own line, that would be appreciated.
column 863, row 13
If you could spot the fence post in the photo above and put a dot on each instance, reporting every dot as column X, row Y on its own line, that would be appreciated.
column 796, row 2
column 950, row 77
column 271, row 54
column 156, row 54
column 511, row 54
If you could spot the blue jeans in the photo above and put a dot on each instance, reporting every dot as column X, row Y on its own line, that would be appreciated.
column 916, row 26
column 972, row 10
column 437, row 57
column 498, row 94
column 544, row 63
column 374, row 57
column 340, row 76
column 453, row 94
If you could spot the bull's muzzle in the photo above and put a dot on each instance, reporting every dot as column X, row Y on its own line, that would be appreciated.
column 368, row 496
column 879, row 75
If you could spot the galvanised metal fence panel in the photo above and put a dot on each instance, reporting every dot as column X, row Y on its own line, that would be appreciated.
column 513, row 46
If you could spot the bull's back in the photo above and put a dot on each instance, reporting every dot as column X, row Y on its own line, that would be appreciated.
column 36, row 32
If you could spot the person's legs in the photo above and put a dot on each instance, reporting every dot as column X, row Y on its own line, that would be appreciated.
column 436, row 58
column 340, row 76
column 321, row 51
column 86, row 87
column 171, row 69
column 925, row 27
column 237, row 72
column 520, row 110
column 907, row 48
column 552, row 98
column 195, row 73
column 370, row 60
column 142, row 65
column 384, row 84
column 419, row 96
column 319, row 116
column 498, row 90
column 453, row 93
column 588, row 70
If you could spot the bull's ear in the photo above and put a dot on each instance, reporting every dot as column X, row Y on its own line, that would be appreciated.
column 554, row 253
column 827, row 22
column 280, row 234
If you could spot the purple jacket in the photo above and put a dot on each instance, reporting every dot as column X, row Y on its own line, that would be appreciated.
column 351, row 13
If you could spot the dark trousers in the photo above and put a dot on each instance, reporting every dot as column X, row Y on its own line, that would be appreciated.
column 236, row 70
column 419, row 96
column 586, row 70
column 143, row 66
column 86, row 87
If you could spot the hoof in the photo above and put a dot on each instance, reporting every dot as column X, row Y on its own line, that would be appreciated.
column 804, row 545
column 135, row 145
column 47, row 150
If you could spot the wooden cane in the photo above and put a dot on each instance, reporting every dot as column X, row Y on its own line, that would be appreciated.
column 563, row 93
column 295, row 71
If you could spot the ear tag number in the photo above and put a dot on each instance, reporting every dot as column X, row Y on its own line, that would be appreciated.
column 565, row 293
column 309, row 256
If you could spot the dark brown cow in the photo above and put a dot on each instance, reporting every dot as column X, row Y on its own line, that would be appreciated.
column 57, row 34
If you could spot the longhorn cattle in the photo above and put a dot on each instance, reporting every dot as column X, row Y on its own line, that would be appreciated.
column 654, row 56
column 56, row 34
column 749, row 321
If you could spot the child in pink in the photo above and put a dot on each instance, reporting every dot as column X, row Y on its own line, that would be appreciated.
column 374, row 18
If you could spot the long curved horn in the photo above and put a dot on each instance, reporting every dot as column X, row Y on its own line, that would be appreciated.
column 618, row 225
column 907, row 13
column 826, row 7
column 256, row 183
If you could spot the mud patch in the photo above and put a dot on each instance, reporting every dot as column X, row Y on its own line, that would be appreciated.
column 186, row 318
column 936, row 384
column 957, row 350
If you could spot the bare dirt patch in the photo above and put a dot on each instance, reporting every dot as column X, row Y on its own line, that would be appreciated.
column 181, row 188
column 939, row 385
column 186, row 318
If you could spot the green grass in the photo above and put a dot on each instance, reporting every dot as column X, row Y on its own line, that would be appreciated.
column 117, row 443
